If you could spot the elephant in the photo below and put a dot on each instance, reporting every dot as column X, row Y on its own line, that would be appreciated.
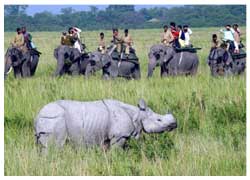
column 222, row 62
column 24, row 64
column 156, row 57
column 172, row 62
column 70, row 61
column 128, row 65
column 114, row 66
column 97, row 62
column 106, row 123
column 180, row 62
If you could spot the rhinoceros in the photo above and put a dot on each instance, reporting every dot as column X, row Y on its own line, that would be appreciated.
column 105, row 123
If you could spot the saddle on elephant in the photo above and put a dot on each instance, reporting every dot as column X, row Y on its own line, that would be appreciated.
column 230, row 47
column 190, row 49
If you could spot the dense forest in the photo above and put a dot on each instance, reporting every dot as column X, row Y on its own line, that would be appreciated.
column 124, row 16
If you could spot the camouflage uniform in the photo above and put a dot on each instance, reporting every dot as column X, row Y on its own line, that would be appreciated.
column 67, row 40
column 117, row 40
column 215, row 44
column 19, row 43
column 128, row 43
column 167, row 38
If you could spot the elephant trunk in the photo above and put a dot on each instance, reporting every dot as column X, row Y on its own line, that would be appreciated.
column 151, row 65
column 60, row 64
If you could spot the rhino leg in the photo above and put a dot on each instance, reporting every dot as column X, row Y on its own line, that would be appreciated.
column 50, row 127
column 118, row 142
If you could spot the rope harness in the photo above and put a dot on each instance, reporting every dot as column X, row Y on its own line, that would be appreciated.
column 181, row 58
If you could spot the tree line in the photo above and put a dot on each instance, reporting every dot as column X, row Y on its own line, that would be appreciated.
column 124, row 16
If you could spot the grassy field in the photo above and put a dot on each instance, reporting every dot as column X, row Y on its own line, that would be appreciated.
column 211, row 115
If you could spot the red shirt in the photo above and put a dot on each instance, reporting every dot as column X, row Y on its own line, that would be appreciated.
column 175, row 33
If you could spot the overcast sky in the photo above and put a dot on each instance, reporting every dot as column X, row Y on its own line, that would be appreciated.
column 55, row 9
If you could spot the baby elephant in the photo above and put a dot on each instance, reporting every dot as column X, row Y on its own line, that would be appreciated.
column 104, row 122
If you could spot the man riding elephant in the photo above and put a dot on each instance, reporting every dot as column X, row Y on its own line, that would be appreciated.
column 223, row 62
column 117, row 41
column 24, row 61
column 18, row 41
column 167, row 38
column 112, row 67
column 102, row 43
column 127, row 42
column 35, row 54
column 68, row 39
column 69, row 60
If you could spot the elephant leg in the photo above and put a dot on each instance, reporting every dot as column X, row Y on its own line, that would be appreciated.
column 60, row 68
column 33, row 65
column 118, row 142
column 194, row 70
column 137, row 73
column 74, row 69
column 89, row 70
column 151, row 66
column 17, row 72
column 26, row 69
column 164, row 70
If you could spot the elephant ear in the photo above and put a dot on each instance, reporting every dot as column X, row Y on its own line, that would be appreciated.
column 56, row 53
column 142, row 105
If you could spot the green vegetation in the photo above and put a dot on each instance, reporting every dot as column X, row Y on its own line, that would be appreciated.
column 124, row 16
column 211, row 115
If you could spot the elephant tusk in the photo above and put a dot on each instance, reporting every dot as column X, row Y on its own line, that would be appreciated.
column 9, row 70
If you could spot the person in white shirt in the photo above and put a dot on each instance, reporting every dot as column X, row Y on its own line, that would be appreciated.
column 228, row 33
column 187, row 32
column 77, row 44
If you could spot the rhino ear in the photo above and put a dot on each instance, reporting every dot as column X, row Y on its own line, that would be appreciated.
column 142, row 105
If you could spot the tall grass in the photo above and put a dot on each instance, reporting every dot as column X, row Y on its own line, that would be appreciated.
column 211, row 115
